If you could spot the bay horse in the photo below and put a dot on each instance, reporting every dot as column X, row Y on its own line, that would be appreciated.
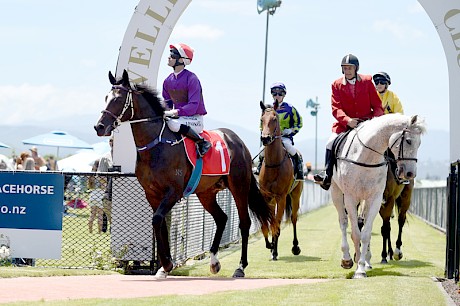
column 399, row 193
column 360, row 176
column 277, row 181
column 163, row 170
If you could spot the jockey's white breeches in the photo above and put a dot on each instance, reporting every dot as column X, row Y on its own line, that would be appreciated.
column 330, row 141
column 287, row 143
column 195, row 122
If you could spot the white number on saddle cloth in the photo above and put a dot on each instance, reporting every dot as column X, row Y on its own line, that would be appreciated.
column 222, row 157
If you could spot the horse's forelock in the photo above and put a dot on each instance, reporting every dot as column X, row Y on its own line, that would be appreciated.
column 151, row 95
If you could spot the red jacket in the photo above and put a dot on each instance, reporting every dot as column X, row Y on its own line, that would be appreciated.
column 359, row 101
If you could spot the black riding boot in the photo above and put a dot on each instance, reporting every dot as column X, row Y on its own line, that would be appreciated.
column 259, row 166
column 324, row 177
column 298, row 169
column 202, row 144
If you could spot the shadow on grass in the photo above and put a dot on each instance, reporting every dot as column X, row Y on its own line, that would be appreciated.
column 298, row 258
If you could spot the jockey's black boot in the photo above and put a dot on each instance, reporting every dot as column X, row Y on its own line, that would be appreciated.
column 259, row 166
column 298, row 169
column 202, row 144
column 324, row 177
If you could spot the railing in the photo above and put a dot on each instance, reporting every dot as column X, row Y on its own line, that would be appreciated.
column 453, row 223
column 125, row 239
column 120, row 233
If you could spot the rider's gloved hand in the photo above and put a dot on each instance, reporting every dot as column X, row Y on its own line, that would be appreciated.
column 171, row 113
column 287, row 132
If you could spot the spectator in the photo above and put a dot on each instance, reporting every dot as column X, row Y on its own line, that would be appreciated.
column 51, row 163
column 39, row 161
column 96, row 187
column 105, row 165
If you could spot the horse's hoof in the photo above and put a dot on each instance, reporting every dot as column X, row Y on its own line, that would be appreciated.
column 295, row 250
column 346, row 264
column 215, row 268
column 398, row 256
column 384, row 261
column 358, row 275
column 161, row 274
column 238, row 273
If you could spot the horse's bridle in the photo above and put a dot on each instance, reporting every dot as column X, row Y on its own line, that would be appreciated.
column 386, row 158
column 130, row 105
column 272, row 137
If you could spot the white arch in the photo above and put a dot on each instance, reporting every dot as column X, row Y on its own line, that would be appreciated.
column 153, row 21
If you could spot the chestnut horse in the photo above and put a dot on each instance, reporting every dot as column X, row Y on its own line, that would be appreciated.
column 399, row 193
column 163, row 170
column 277, row 181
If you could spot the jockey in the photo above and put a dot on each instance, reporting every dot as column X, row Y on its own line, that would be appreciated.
column 290, row 124
column 183, row 95
column 390, row 101
column 353, row 100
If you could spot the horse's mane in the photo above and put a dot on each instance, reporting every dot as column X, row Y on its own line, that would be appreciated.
column 152, row 97
column 419, row 126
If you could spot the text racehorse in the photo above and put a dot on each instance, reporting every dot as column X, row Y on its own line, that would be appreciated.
column 360, row 176
column 277, row 181
column 163, row 170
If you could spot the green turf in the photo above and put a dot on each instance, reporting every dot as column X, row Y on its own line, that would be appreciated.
column 404, row 282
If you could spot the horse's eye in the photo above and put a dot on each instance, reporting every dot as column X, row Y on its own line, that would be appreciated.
column 409, row 141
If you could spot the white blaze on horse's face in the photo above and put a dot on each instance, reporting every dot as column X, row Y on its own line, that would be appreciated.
column 269, row 123
column 404, row 146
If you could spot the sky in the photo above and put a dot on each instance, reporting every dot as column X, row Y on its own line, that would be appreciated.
column 56, row 56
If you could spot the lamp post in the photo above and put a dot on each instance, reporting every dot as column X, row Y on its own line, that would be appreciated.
column 270, row 6
column 314, row 113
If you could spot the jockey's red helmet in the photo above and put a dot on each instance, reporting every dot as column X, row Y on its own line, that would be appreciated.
column 185, row 51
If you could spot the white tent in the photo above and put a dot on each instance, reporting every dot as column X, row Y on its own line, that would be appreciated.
column 83, row 160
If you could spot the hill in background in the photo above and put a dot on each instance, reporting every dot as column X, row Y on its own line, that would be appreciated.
column 433, row 154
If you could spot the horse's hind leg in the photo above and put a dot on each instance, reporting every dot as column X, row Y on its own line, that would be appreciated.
column 209, row 202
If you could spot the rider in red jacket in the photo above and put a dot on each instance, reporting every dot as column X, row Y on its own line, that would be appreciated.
column 354, row 99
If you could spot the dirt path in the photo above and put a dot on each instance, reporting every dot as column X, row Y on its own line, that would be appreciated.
column 125, row 286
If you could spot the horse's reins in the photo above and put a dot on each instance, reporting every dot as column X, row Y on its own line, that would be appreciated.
column 130, row 105
column 386, row 158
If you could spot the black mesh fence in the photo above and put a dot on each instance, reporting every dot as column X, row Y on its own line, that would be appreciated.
column 107, row 223
column 108, row 230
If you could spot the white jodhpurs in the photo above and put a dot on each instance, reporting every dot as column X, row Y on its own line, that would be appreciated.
column 194, row 122
column 288, row 146
column 330, row 141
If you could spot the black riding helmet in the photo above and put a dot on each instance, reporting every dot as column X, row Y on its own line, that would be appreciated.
column 349, row 60
column 382, row 75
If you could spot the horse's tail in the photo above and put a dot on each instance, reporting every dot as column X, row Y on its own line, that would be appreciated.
column 259, row 205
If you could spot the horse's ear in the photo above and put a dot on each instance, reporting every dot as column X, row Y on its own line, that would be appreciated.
column 262, row 105
column 413, row 119
column 112, row 78
column 125, row 78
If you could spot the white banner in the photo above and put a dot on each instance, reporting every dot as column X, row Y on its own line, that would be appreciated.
column 445, row 15
column 140, row 54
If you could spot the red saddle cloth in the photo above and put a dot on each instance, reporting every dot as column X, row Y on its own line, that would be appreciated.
column 217, row 160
